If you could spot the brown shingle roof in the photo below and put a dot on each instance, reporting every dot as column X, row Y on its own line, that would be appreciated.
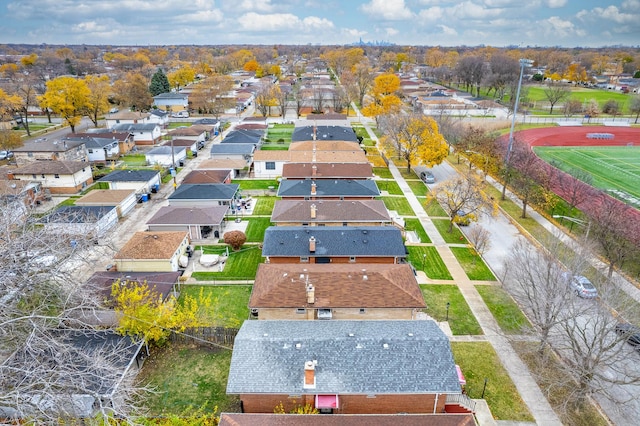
column 252, row 419
column 327, row 170
column 324, row 146
column 336, row 286
column 152, row 245
column 187, row 131
column 222, row 164
column 49, row 167
column 328, row 156
column 206, row 176
column 107, row 197
column 330, row 211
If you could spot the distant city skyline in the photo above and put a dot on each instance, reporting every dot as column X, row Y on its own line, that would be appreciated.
column 534, row 23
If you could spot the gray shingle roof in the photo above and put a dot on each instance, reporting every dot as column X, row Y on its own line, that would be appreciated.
column 233, row 148
column 171, row 215
column 243, row 136
column 166, row 150
column 336, row 133
column 213, row 191
column 329, row 188
column 129, row 176
column 137, row 127
column 334, row 241
column 352, row 358
column 77, row 214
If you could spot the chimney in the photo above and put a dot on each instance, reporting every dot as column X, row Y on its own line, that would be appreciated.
column 312, row 244
column 311, row 294
column 313, row 188
column 314, row 132
column 309, row 375
column 313, row 211
column 314, row 170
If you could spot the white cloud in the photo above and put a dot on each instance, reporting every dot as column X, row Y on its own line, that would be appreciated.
column 631, row 5
column 391, row 31
column 475, row 11
column 250, row 5
column 353, row 32
column 388, row 10
column 556, row 27
column 432, row 14
column 448, row 31
column 282, row 22
column 555, row 4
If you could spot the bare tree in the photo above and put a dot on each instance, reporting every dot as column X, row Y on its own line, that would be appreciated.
column 530, row 179
column 556, row 92
column 574, row 187
column 502, row 71
column 318, row 100
column 463, row 195
column 471, row 70
column 634, row 107
column 212, row 95
column 480, row 238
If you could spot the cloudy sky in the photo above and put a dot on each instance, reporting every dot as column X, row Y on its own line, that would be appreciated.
column 404, row 22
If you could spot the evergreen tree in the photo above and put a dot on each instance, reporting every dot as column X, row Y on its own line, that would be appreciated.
column 159, row 83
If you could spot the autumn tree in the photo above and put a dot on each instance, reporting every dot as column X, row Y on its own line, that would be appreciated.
column 414, row 138
column 471, row 70
column 69, row 97
column 502, row 71
column 211, row 96
column 529, row 178
column 159, row 83
column 251, row 65
column 266, row 97
column 340, row 60
column 575, row 186
column 8, row 105
column 463, row 194
column 99, row 93
column 480, row 147
column 363, row 77
column 132, row 90
column 571, row 107
column 384, row 96
column 556, row 92
column 235, row 239
column 181, row 77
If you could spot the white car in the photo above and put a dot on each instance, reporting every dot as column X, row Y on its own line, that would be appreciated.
column 180, row 114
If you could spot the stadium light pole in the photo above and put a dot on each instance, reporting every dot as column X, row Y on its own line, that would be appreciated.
column 523, row 63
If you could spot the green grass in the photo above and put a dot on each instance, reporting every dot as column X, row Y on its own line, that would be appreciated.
column 418, row 188
column 264, row 205
column 479, row 362
column 504, row 309
column 256, row 228
column 134, row 160
column 229, row 307
column 399, row 204
column 280, row 133
column 391, row 186
column 433, row 209
column 240, row 265
column 453, row 237
column 362, row 132
column 382, row 172
column 272, row 147
column 176, row 124
column 255, row 183
column 427, row 259
column 611, row 167
column 415, row 225
column 187, row 378
column 472, row 263
column 582, row 94
column 461, row 319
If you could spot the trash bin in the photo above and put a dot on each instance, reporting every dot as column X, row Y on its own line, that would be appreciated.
column 181, row 163
column 144, row 198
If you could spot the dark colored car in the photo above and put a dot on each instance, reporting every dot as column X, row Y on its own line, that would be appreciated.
column 630, row 333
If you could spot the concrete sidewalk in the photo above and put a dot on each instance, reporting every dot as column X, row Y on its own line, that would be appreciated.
column 527, row 387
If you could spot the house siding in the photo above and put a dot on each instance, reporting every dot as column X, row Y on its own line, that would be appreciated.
column 350, row 404
column 320, row 223
column 64, row 184
column 338, row 314
column 291, row 259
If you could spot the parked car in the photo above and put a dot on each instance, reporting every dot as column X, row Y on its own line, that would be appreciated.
column 180, row 114
column 427, row 177
column 630, row 333
column 462, row 218
column 581, row 286
column 6, row 155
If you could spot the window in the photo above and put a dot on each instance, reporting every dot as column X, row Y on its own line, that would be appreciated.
column 90, row 151
column 34, row 176
column 270, row 165
column 304, row 259
column 344, row 223
column 305, row 224
column 29, row 154
column 57, row 176
column 352, row 259
column 42, row 176
column 301, row 311
column 363, row 310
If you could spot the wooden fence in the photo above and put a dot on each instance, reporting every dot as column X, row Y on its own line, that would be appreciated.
column 202, row 335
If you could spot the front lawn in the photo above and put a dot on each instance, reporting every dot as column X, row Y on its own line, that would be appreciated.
column 432, row 208
column 461, row 319
column 264, row 205
column 399, row 204
column 472, row 263
column 382, row 172
column 256, row 228
column 418, row 188
column 504, row 309
column 453, row 237
column 229, row 307
column 415, row 225
column 241, row 265
column 187, row 378
column 427, row 259
column 480, row 364
column 391, row 186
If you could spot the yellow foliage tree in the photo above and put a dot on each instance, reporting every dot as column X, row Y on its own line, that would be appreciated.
column 68, row 97
column 251, row 65
column 8, row 104
column 99, row 92
column 384, row 94
column 181, row 77
column 142, row 312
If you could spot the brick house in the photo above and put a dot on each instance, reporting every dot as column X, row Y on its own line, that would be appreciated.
column 328, row 189
column 327, row 171
column 330, row 213
column 338, row 292
column 152, row 251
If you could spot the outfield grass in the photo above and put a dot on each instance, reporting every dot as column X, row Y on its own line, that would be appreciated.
column 229, row 307
column 472, row 263
column 415, row 225
column 427, row 259
column 241, row 265
column 186, row 379
column 479, row 363
column 399, row 204
column 616, row 168
column 504, row 309
column 461, row 319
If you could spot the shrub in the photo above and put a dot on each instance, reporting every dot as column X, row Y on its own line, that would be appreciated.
column 235, row 239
